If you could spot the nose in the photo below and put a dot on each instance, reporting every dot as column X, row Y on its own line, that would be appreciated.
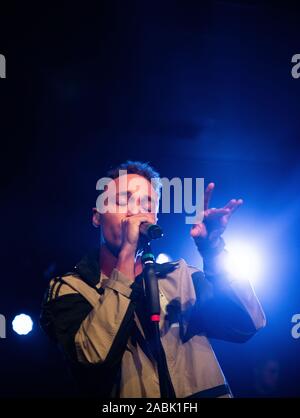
column 134, row 206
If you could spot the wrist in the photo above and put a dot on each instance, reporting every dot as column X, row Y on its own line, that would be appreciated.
column 125, row 263
column 127, row 252
column 215, row 265
column 210, row 248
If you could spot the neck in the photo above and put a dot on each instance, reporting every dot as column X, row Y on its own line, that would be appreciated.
column 108, row 261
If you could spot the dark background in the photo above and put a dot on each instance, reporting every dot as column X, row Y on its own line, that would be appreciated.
column 198, row 89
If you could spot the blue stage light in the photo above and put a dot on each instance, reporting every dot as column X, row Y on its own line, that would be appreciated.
column 162, row 258
column 244, row 261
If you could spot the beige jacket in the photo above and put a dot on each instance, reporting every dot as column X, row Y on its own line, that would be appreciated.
column 109, row 334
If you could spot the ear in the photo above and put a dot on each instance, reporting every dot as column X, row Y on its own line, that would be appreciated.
column 96, row 219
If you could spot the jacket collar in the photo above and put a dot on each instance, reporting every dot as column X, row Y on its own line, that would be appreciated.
column 88, row 267
column 89, row 270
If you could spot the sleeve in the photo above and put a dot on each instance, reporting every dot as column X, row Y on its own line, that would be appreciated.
column 226, row 308
column 91, row 334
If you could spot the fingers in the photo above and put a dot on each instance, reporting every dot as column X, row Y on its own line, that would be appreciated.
column 208, row 194
column 197, row 230
column 140, row 217
column 131, row 229
column 227, row 210
column 216, row 213
column 233, row 205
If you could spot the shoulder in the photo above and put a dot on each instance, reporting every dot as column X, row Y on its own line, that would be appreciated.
column 58, row 287
column 184, row 266
column 184, row 276
column 71, row 287
column 63, row 308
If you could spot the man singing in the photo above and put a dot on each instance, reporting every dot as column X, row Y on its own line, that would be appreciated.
column 97, row 313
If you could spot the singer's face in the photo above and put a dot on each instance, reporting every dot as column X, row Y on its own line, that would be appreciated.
column 124, row 196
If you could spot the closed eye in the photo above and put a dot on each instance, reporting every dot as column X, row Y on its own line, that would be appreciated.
column 122, row 198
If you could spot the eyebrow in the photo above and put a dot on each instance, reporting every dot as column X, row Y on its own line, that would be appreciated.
column 123, row 193
column 128, row 194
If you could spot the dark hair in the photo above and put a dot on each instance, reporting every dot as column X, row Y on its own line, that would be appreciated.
column 138, row 167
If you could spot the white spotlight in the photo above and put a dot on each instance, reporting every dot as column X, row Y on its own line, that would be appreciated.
column 22, row 324
column 244, row 261
column 162, row 258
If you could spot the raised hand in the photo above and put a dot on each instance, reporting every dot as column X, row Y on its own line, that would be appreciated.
column 214, row 220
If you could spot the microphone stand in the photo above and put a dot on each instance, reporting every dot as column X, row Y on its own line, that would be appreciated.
column 152, row 296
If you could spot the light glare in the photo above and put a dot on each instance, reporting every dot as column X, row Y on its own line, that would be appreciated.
column 22, row 324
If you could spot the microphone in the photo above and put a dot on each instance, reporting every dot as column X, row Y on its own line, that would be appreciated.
column 150, row 231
